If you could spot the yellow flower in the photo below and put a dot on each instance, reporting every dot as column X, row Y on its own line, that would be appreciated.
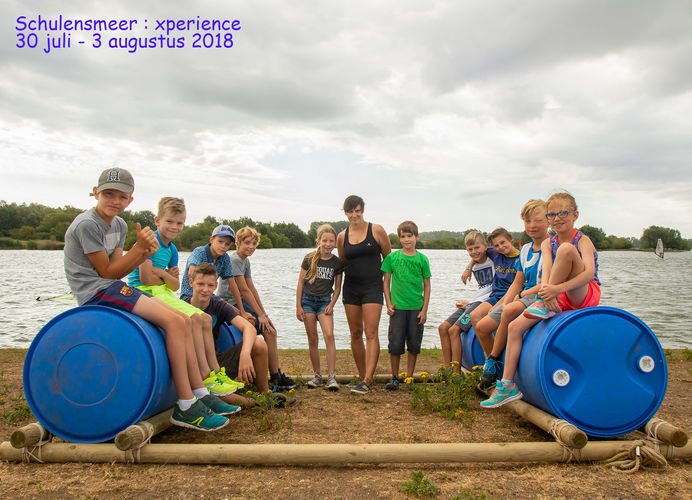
column 408, row 380
column 477, row 367
column 444, row 381
column 291, row 391
column 423, row 374
column 459, row 413
column 427, row 388
column 402, row 375
column 455, row 362
column 269, row 391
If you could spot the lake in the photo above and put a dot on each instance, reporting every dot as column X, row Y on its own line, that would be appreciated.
column 634, row 281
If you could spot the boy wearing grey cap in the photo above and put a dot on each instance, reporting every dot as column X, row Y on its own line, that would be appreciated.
column 95, row 265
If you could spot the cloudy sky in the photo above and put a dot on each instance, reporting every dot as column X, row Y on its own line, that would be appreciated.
column 449, row 113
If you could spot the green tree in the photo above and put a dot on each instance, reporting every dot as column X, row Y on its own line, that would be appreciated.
column 56, row 222
column 394, row 240
column 671, row 238
column 338, row 226
column 26, row 233
column 616, row 243
column 296, row 237
column 597, row 236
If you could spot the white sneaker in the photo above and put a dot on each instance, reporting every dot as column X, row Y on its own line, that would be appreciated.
column 332, row 384
column 315, row 382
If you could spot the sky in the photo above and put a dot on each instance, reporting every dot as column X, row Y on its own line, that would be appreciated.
column 449, row 113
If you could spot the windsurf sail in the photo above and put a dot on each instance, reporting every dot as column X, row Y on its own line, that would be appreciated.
column 67, row 298
column 659, row 248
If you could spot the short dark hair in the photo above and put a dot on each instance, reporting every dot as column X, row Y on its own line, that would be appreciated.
column 407, row 227
column 500, row 231
column 351, row 203
column 205, row 269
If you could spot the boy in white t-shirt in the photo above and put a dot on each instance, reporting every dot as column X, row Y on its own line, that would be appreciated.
column 459, row 321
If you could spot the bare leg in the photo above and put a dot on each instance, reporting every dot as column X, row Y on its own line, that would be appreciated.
column 198, row 342
column 509, row 313
column 260, row 362
column 411, row 363
column 443, row 330
column 354, row 316
column 484, row 329
column 394, row 360
column 209, row 348
column 515, row 339
column 479, row 313
column 310, row 323
column 455, row 345
column 272, row 351
column 567, row 265
column 371, row 322
column 327, row 325
column 177, row 332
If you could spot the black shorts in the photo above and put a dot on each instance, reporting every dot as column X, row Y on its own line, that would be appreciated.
column 229, row 360
column 357, row 294
column 404, row 330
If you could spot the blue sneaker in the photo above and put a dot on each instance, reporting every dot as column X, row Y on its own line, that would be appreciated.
column 538, row 311
column 219, row 407
column 492, row 372
column 502, row 395
column 198, row 416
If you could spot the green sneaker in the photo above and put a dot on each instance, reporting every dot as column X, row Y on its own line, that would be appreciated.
column 198, row 416
column 228, row 380
column 217, row 386
column 502, row 395
column 219, row 407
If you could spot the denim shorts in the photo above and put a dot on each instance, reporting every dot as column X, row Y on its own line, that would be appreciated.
column 312, row 304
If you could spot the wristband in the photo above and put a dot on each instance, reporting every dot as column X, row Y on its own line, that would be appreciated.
column 468, row 268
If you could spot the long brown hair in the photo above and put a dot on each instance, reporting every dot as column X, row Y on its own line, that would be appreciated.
column 315, row 256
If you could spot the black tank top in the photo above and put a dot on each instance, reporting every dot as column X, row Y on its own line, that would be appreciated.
column 363, row 259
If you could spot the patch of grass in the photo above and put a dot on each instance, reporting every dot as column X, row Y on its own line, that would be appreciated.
column 16, row 414
column 419, row 485
column 445, row 393
column 687, row 354
column 5, row 390
column 668, row 353
column 471, row 495
column 268, row 420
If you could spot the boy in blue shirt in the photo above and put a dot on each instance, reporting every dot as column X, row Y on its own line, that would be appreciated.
column 95, row 265
column 407, row 272
column 159, row 276
column 520, row 295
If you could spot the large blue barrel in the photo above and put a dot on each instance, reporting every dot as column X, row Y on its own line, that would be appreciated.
column 229, row 336
column 601, row 369
column 472, row 352
column 93, row 371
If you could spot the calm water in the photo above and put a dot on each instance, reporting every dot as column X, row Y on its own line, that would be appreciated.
column 635, row 281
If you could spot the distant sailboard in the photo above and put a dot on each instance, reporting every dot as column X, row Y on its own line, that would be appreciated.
column 659, row 248
column 67, row 298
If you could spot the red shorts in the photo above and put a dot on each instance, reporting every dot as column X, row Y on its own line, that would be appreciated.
column 593, row 297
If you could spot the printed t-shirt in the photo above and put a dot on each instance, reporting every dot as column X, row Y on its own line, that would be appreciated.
column 529, row 263
column 87, row 234
column 504, row 271
column 484, row 274
column 408, row 273
column 327, row 270
column 239, row 267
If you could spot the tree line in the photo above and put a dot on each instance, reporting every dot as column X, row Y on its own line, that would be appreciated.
column 39, row 226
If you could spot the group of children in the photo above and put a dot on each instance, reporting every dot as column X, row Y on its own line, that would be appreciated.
column 516, row 289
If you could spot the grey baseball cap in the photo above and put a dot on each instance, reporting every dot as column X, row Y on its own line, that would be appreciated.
column 223, row 230
column 116, row 178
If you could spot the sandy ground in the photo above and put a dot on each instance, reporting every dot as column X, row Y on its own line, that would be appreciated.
column 323, row 417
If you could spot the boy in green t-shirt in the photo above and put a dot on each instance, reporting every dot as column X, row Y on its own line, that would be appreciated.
column 407, row 271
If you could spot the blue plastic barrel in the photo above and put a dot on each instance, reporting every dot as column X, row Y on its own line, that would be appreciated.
column 472, row 352
column 601, row 369
column 93, row 371
column 229, row 336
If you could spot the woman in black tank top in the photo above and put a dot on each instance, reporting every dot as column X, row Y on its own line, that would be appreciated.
column 362, row 246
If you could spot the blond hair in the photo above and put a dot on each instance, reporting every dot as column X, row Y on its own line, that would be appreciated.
column 474, row 237
column 532, row 206
column 245, row 233
column 314, row 257
column 171, row 204
column 562, row 196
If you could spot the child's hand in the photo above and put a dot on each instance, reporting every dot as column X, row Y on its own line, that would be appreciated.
column 552, row 305
column 548, row 292
column 390, row 309
column 329, row 309
column 174, row 272
column 246, row 372
column 266, row 325
column 422, row 316
column 465, row 276
column 146, row 239
column 300, row 314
